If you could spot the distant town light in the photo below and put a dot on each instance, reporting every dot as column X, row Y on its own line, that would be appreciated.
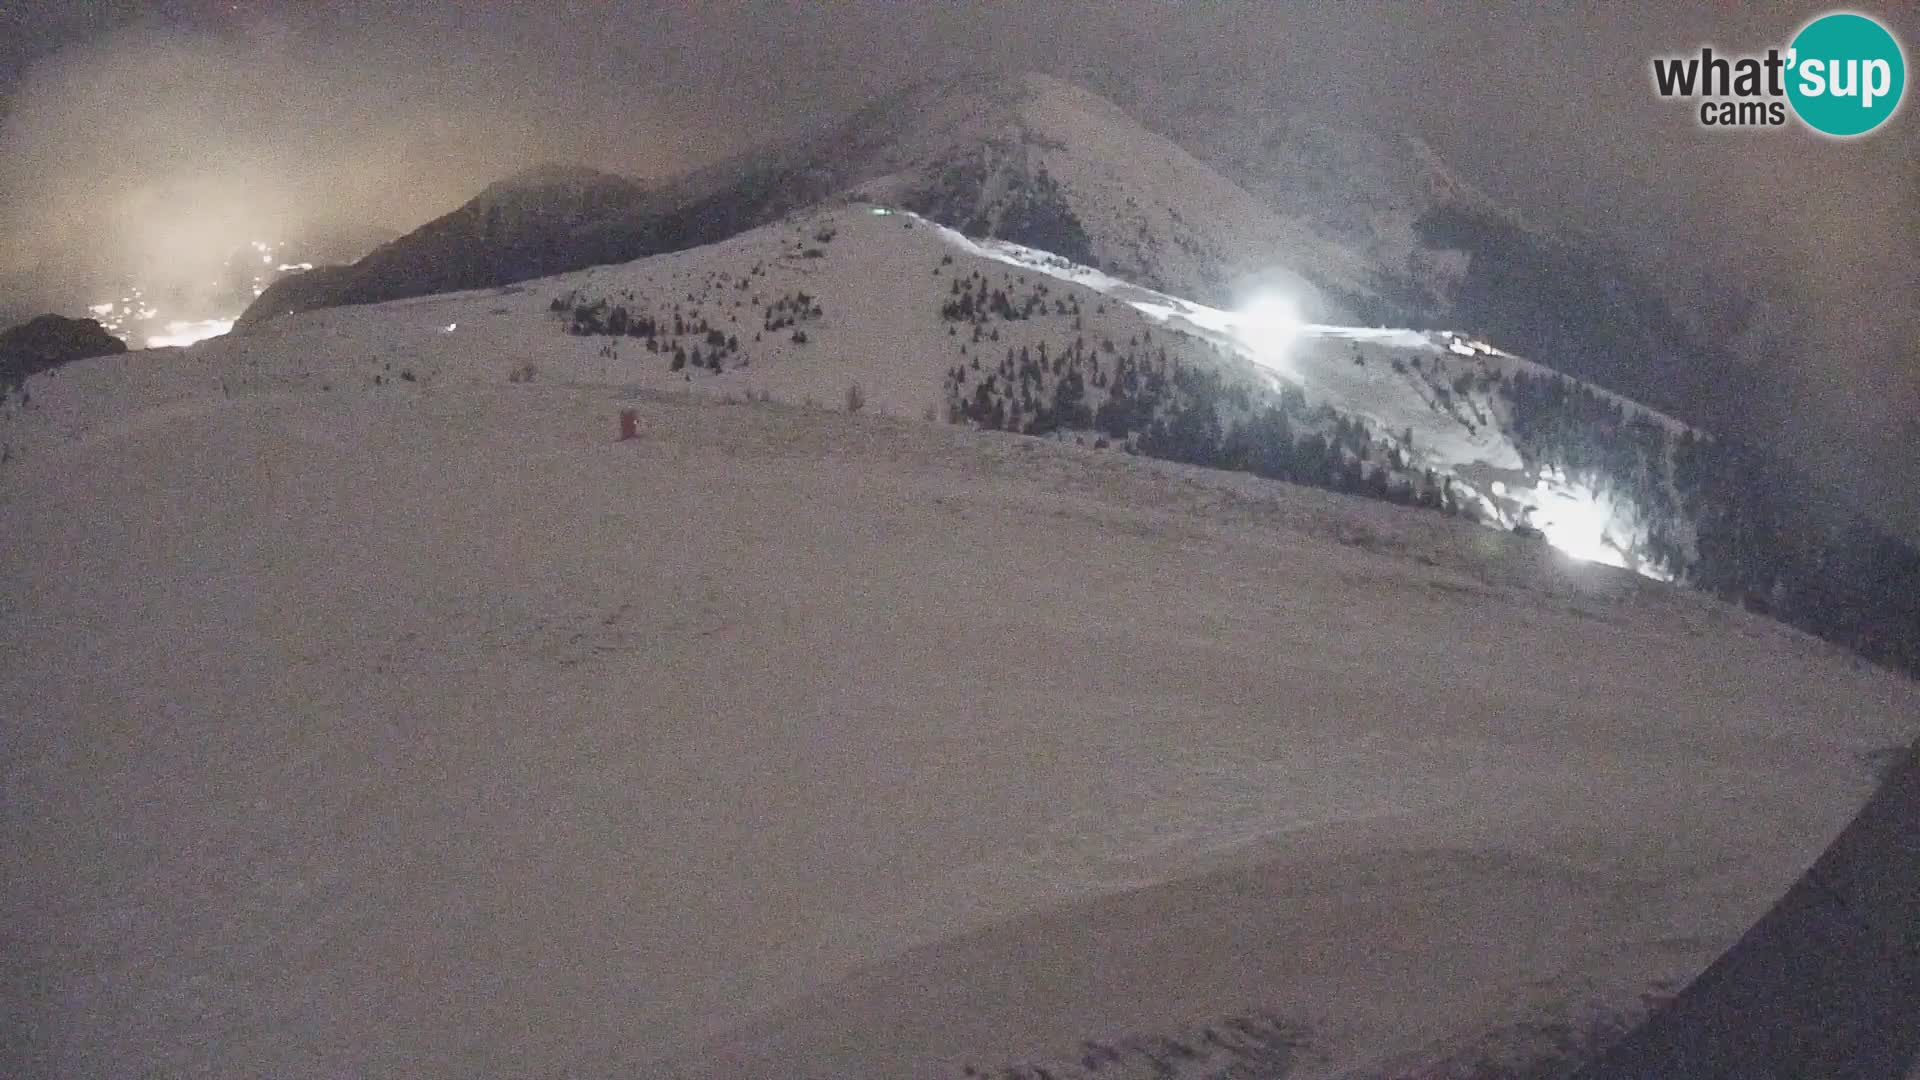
column 181, row 334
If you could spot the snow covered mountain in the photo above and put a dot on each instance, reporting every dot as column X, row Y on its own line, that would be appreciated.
column 1424, row 417
column 918, row 320
column 538, row 222
column 1440, row 252
column 927, row 322
column 367, row 692
column 1209, row 204
column 1033, row 160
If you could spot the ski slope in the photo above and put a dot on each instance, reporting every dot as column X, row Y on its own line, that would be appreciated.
column 372, row 710
column 424, row 728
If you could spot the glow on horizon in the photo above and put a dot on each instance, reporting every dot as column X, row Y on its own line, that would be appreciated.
column 181, row 334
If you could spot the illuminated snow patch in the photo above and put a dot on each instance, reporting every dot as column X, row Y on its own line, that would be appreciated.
column 1269, row 319
column 180, row 334
column 1269, row 327
column 1576, row 522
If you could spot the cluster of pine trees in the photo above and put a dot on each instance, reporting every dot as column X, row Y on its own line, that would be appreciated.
column 1771, row 538
column 684, row 336
column 689, row 341
column 1605, row 446
column 973, row 300
column 1766, row 535
column 792, row 310
column 1138, row 398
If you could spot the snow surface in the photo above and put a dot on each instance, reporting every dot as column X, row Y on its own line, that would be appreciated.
column 419, row 727
column 880, row 284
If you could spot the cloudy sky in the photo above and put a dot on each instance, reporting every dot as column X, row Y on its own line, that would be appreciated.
column 157, row 132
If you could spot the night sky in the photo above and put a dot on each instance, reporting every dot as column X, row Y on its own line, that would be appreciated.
column 279, row 116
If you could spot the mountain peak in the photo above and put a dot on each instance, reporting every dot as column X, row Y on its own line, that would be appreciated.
column 554, row 181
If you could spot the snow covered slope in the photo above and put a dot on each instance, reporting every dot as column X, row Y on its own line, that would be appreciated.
column 1446, row 404
column 369, row 714
column 917, row 320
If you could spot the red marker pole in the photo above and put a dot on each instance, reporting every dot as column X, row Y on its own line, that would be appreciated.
column 629, row 424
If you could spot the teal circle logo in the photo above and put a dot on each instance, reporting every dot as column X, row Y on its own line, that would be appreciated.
column 1846, row 74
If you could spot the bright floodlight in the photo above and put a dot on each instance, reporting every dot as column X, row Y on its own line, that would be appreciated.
column 1269, row 326
column 1576, row 522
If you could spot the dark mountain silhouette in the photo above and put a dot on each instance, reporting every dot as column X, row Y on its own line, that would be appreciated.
column 47, row 342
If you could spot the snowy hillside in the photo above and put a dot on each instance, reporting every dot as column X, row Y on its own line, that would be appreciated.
column 1441, row 252
column 929, row 324
column 916, row 320
column 1443, row 404
column 370, row 712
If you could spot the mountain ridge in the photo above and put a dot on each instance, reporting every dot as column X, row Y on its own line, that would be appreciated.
column 977, row 148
